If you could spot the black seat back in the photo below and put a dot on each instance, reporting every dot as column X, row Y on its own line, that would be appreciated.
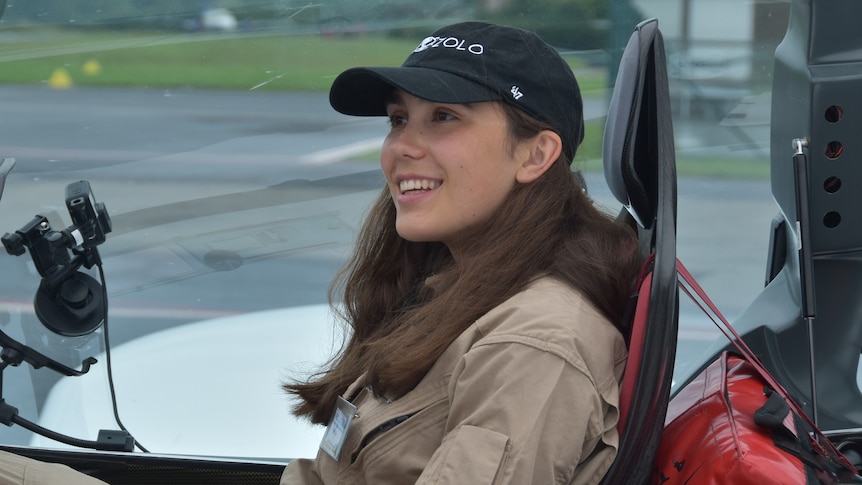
column 640, row 168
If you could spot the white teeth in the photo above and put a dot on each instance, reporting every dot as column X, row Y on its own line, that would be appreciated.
column 424, row 184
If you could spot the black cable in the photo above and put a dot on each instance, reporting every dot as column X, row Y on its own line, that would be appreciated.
column 108, row 361
column 35, row 428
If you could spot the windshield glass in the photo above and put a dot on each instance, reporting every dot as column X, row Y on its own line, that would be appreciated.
column 231, row 192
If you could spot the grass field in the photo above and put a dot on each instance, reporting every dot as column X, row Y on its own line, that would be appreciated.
column 205, row 61
column 292, row 62
column 589, row 158
column 269, row 62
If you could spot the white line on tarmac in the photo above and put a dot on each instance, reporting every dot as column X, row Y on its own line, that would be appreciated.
column 337, row 154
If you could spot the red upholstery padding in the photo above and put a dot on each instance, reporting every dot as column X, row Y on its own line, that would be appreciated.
column 636, row 347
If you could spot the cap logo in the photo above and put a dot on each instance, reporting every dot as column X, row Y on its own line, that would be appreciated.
column 449, row 43
column 516, row 92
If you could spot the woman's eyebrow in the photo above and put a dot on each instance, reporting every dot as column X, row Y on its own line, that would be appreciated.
column 393, row 97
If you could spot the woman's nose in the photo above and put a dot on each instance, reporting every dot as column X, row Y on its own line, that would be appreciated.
column 408, row 141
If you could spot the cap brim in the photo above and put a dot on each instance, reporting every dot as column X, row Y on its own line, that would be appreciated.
column 363, row 91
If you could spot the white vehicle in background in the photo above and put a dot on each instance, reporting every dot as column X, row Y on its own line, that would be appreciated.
column 220, row 19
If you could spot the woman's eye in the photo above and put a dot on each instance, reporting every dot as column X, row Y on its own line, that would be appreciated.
column 397, row 120
column 443, row 116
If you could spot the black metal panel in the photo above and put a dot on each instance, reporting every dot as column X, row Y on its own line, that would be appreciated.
column 835, row 154
column 817, row 94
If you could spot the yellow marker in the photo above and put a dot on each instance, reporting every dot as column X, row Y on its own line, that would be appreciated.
column 92, row 67
column 60, row 79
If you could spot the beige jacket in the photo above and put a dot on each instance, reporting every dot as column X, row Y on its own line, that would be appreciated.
column 528, row 394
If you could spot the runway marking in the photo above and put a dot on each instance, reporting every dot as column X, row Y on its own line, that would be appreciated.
column 337, row 154
column 321, row 157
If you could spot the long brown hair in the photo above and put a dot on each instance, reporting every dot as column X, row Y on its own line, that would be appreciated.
column 399, row 327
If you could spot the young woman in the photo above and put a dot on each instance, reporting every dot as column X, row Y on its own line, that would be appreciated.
column 483, row 292
column 484, row 288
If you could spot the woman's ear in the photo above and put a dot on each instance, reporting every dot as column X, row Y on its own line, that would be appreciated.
column 545, row 149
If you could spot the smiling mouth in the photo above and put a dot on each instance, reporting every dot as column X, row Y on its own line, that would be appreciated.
column 413, row 186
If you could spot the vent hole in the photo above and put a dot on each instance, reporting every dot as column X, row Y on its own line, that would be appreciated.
column 834, row 113
column 834, row 149
column 832, row 184
column 832, row 219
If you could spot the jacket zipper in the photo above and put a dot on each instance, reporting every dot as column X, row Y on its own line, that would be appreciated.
column 374, row 433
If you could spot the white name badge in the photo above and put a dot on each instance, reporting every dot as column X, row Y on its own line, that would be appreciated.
column 336, row 432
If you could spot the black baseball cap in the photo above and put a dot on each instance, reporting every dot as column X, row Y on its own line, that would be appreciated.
column 471, row 62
